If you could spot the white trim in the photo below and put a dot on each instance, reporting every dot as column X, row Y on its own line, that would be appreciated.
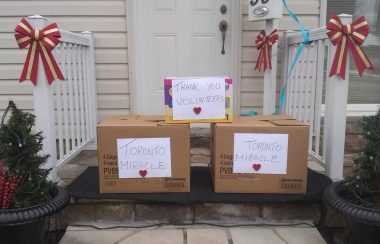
column 358, row 110
column 67, row 36
column 73, row 153
column 237, row 16
column 91, row 147
column 323, row 13
column 133, row 60
column 314, row 35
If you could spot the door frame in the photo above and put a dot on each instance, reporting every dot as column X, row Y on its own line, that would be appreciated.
column 135, row 67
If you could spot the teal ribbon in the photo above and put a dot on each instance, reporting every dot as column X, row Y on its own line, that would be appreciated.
column 306, row 41
column 249, row 113
column 295, row 17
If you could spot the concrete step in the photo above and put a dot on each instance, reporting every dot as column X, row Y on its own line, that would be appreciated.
column 197, row 234
column 135, row 213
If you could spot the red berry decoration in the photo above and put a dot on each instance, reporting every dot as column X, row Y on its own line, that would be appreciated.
column 21, row 174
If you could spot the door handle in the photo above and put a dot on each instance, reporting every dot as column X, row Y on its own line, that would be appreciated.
column 223, row 26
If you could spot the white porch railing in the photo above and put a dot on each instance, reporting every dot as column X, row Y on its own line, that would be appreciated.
column 66, row 110
column 310, row 88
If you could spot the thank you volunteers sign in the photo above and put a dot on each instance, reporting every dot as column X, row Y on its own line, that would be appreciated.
column 198, row 98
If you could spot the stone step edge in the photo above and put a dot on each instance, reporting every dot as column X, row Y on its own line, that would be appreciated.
column 186, row 213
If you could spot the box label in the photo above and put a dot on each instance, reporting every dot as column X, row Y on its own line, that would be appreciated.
column 174, row 183
column 144, row 157
column 109, row 163
column 291, row 184
column 260, row 153
column 226, row 172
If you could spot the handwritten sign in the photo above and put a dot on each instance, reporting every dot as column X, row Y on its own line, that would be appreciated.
column 144, row 157
column 198, row 98
column 260, row 153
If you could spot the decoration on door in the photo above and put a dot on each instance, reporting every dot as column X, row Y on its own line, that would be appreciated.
column 41, row 43
column 264, row 45
column 348, row 37
column 144, row 157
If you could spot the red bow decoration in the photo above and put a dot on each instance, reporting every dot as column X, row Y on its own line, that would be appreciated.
column 348, row 37
column 41, row 42
column 264, row 44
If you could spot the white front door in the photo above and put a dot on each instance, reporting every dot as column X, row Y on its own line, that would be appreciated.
column 178, row 38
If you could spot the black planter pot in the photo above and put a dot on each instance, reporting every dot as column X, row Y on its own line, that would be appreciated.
column 29, row 225
column 363, row 223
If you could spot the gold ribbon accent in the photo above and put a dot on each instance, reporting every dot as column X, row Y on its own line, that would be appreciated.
column 31, row 60
column 50, row 31
column 361, row 24
column 51, row 67
column 344, row 41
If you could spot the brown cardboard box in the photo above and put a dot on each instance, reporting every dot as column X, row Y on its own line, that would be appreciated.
column 134, row 126
column 295, row 179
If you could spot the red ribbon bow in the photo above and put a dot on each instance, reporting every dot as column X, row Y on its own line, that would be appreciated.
column 348, row 36
column 264, row 44
column 41, row 42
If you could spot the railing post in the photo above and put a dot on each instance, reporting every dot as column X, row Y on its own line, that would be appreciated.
column 335, row 115
column 92, row 85
column 44, row 107
column 285, row 68
column 270, row 76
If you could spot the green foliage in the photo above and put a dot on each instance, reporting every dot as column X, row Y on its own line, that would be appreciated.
column 34, row 190
column 19, row 151
column 363, row 185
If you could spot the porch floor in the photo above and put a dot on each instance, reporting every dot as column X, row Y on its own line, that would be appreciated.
column 86, row 186
column 197, row 234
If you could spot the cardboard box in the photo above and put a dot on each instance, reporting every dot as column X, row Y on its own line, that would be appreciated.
column 228, row 98
column 222, row 146
column 134, row 126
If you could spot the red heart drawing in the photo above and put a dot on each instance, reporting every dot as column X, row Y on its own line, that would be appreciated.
column 197, row 110
column 143, row 172
column 256, row 166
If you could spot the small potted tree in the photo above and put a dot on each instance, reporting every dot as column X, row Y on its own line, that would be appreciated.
column 357, row 198
column 27, row 197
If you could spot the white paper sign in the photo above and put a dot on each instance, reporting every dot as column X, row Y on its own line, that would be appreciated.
column 260, row 153
column 198, row 98
column 144, row 157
